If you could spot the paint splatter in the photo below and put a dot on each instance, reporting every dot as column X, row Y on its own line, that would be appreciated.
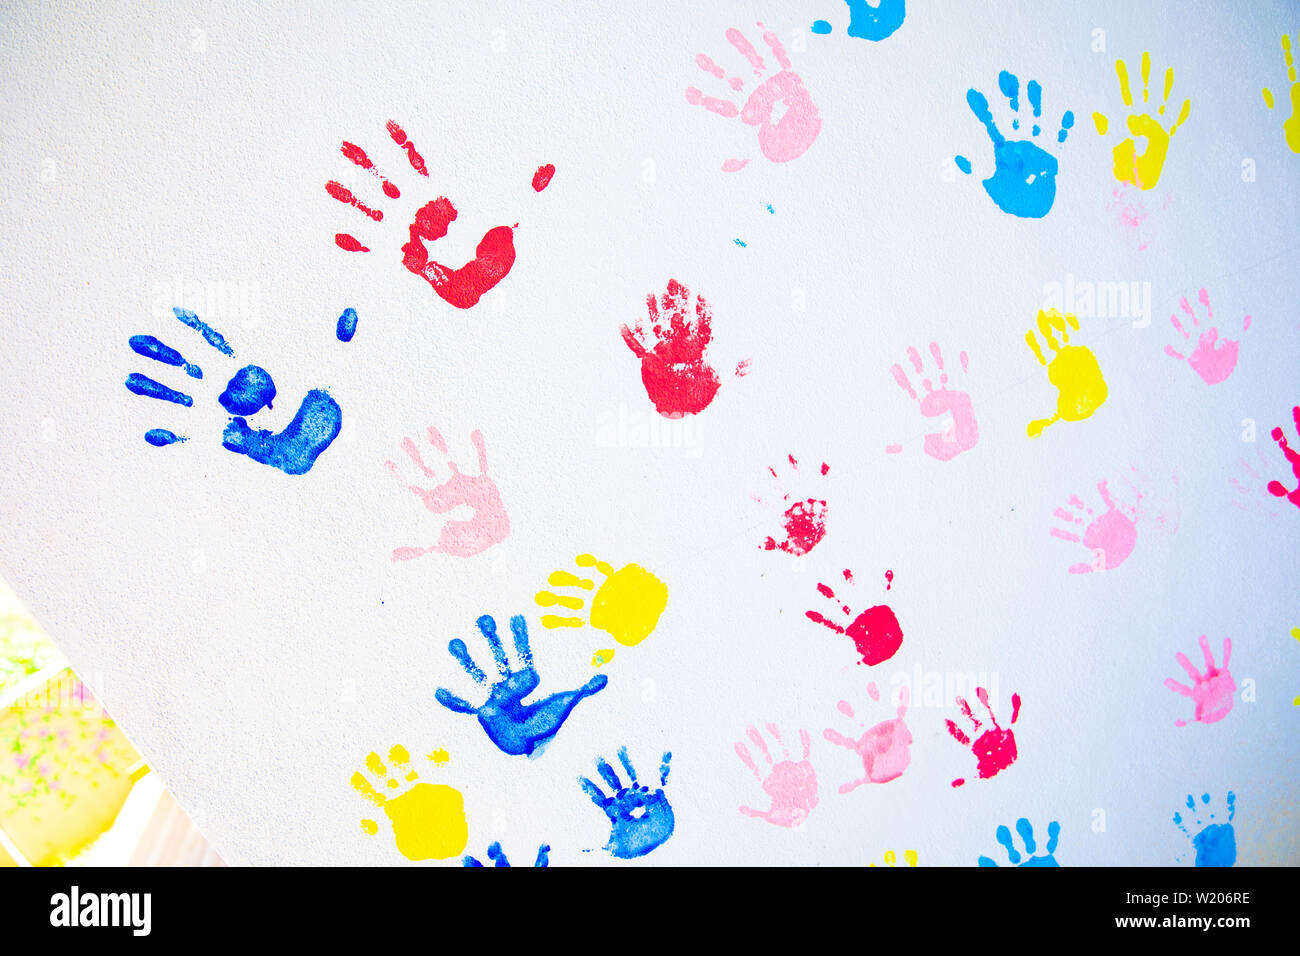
column 741, row 243
column 869, row 20
column 782, row 94
column 909, row 857
column 641, row 819
column 626, row 606
column 1215, row 842
column 427, row 819
column 803, row 523
column 1276, row 488
column 963, row 432
column 790, row 785
column 488, row 523
column 1030, row 857
column 995, row 748
column 1142, row 169
column 1212, row 359
column 885, row 749
column 743, row 367
column 876, row 633
column 498, row 856
column 542, row 178
column 1024, row 177
column 1212, row 692
column 347, row 325
column 676, row 377
column 1073, row 369
column 889, row 580
column 1291, row 125
column 514, row 727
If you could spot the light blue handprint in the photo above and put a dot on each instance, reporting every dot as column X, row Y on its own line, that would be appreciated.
column 1024, row 175
column 293, row 450
column 498, row 857
column 1027, row 835
column 515, row 727
column 1215, row 843
column 641, row 819
column 868, row 22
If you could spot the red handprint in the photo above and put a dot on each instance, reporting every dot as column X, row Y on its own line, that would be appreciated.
column 677, row 379
column 995, row 749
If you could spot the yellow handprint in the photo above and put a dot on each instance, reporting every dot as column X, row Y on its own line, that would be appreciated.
column 891, row 860
column 1295, row 632
column 1290, row 127
column 428, row 819
column 1073, row 370
column 1142, row 170
column 626, row 606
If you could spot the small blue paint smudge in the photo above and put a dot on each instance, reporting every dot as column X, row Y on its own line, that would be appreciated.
column 738, row 242
column 294, row 450
column 210, row 335
column 963, row 164
column 152, row 348
column 158, row 437
column 1067, row 124
column 248, row 392
column 347, row 326
column 144, row 385
column 770, row 209
column 821, row 26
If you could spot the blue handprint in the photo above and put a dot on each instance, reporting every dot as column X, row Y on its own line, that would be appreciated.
column 1027, row 835
column 515, row 727
column 642, row 819
column 1215, row 843
column 498, row 857
column 293, row 451
column 869, row 22
column 1024, row 176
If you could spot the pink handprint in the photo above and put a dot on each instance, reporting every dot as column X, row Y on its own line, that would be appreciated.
column 1212, row 692
column 792, row 786
column 885, row 749
column 1276, row 488
column 488, row 525
column 995, row 749
column 791, row 135
column 964, row 433
column 1110, row 536
column 1213, row 359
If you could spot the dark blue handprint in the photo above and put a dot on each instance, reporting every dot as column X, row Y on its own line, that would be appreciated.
column 515, row 727
column 1027, row 835
column 293, row 450
column 642, row 819
column 498, row 857
column 1024, row 175
column 869, row 21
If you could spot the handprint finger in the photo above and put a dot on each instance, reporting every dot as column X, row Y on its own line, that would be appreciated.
column 487, row 626
column 626, row 761
column 608, row 775
column 519, row 628
column 597, row 795
column 458, row 650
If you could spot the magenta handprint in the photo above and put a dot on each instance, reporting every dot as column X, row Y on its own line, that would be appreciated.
column 781, row 94
column 1213, row 691
column 995, row 748
column 488, row 525
column 791, row 785
column 1276, row 488
column 885, row 748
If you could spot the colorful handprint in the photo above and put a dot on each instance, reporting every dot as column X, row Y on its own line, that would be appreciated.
column 791, row 785
column 876, row 633
column 428, row 819
column 461, row 287
column 461, row 538
column 885, row 749
column 963, row 432
column 1215, row 843
column 1212, row 359
column 498, row 857
column 1024, row 174
column 1291, row 125
column 1030, row 858
column 676, row 377
column 626, row 606
column 1142, row 169
column 995, row 748
column 781, row 93
column 641, row 819
column 1073, row 369
column 869, row 19
column 1276, row 488
column 1214, row 691
column 803, row 524
column 515, row 727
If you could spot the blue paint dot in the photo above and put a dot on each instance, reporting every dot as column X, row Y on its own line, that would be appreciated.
column 347, row 326
column 821, row 26
column 963, row 164
column 738, row 242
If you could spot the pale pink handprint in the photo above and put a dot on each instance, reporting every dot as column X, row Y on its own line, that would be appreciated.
column 462, row 538
column 1213, row 359
column 798, row 125
column 791, row 785
column 885, row 748
column 1252, row 493
column 1111, row 534
column 1212, row 692
column 1276, row 488
column 963, row 432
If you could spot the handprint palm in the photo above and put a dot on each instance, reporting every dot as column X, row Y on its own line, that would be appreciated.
column 1142, row 169
column 514, row 726
column 642, row 819
column 791, row 785
column 1026, row 832
column 885, row 748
